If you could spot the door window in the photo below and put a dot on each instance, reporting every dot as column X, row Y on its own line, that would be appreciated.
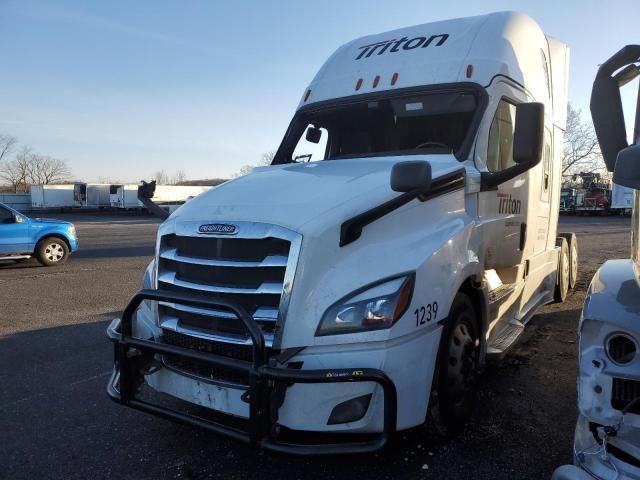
column 6, row 216
column 500, row 151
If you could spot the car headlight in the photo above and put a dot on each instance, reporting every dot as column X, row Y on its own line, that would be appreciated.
column 372, row 308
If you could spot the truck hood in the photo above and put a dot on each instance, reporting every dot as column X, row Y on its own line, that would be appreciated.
column 49, row 221
column 292, row 195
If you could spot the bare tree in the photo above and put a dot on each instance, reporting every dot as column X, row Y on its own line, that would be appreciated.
column 7, row 146
column 161, row 177
column 45, row 170
column 179, row 177
column 265, row 160
column 581, row 148
column 16, row 172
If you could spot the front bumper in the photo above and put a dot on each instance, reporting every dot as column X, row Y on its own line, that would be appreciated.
column 266, row 383
column 589, row 457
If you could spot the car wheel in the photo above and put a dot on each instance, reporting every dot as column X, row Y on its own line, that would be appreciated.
column 453, row 389
column 52, row 251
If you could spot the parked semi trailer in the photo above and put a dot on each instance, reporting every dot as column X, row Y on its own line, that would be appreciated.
column 607, row 436
column 52, row 196
column 126, row 196
column 405, row 231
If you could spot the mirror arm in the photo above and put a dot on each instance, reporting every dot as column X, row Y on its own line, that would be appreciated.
column 490, row 180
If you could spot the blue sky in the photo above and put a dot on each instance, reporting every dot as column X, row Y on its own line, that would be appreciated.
column 123, row 89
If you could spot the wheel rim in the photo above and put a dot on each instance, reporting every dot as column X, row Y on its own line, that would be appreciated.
column 461, row 363
column 53, row 252
column 565, row 268
column 574, row 263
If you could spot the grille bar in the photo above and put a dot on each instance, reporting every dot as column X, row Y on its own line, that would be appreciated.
column 265, row 288
column 269, row 261
column 262, row 314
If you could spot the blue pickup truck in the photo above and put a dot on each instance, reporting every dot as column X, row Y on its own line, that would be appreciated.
column 21, row 237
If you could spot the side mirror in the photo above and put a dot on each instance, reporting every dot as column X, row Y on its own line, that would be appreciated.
column 528, row 136
column 314, row 134
column 528, row 140
column 411, row 176
column 627, row 172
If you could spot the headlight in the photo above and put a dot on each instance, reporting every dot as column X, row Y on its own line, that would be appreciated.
column 372, row 308
column 621, row 349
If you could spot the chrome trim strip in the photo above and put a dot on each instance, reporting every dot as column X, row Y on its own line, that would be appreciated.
column 266, row 288
column 263, row 314
column 173, row 323
column 270, row 261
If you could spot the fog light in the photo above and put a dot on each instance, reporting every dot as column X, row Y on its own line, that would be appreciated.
column 621, row 349
column 350, row 411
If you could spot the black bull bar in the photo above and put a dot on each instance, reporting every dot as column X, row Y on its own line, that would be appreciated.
column 125, row 380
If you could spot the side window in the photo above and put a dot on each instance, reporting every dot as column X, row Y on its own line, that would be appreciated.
column 308, row 148
column 500, row 151
column 5, row 216
column 545, row 69
column 546, row 167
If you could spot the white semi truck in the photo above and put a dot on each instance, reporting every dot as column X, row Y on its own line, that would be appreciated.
column 406, row 229
column 607, row 436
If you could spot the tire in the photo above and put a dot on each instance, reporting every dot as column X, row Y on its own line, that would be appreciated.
column 52, row 251
column 572, row 242
column 562, row 280
column 454, row 385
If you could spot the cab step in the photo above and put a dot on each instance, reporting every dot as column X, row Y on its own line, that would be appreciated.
column 501, row 341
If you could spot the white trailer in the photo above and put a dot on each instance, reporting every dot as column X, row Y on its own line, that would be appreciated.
column 406, row 229
column 126, row 196
column 621, row 199
column 52, row 196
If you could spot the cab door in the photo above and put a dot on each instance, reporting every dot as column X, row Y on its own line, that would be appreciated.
column 14, row 232
column 502, row 210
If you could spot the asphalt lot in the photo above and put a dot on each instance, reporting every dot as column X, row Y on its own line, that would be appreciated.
column 56, row 421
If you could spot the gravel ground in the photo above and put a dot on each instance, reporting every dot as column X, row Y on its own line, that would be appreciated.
column 56, row 422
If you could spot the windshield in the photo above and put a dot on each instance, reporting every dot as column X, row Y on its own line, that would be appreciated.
column 401, row 125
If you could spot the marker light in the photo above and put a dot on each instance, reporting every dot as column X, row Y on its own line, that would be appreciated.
column 394, row 79
column 376, row 80
column 372, row 308
column 469, row 70
column 306, row 95
column 358, row 84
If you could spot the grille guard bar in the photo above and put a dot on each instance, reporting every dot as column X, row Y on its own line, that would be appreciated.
column 122, row 386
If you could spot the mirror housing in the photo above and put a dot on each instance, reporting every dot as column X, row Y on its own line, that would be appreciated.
column 627, row 171
column 313, row 135
column 528, row 140
column 411, row 176
column 528, row 136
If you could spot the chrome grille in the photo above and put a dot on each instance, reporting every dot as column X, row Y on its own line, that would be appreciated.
column 254, row 269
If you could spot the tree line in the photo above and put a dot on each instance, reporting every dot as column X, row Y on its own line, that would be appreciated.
column 21, row 167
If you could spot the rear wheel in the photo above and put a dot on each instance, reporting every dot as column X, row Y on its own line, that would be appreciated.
column 52, row 251
column 562, row 280
column 453, row 391
column 572, row 242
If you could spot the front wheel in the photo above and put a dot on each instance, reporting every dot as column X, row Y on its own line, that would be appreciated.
column 453, row 390
column 563, row 272
column 52, row 251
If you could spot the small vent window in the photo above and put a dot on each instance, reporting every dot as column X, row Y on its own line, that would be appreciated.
column 545, row 69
